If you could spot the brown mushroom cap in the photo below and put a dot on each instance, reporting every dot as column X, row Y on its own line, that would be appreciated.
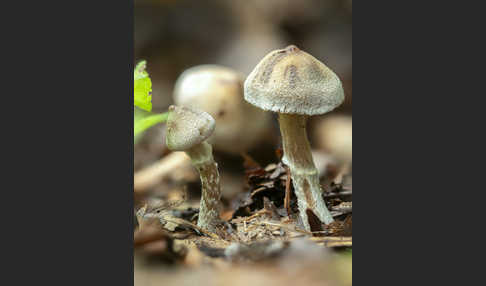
column 187, row 127
column 292, row 81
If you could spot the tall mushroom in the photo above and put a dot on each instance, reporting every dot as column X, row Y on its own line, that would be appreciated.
column 296, row 85
column 187, row 130
column 218, row 90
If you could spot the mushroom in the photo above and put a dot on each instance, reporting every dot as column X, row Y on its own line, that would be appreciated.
column 218, row 91
column 296, row 85
column 187, row 130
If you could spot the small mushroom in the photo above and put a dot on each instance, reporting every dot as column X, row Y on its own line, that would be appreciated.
column 187, row 130
column 218, row 91
column 296, row 85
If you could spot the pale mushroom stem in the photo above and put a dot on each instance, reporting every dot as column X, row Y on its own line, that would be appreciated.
column 202, row 158
column 304, row 174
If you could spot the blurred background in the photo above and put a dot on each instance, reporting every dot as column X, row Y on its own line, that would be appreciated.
column 175, row 35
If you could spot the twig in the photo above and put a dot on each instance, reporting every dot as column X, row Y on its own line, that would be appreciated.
column 343, row 208
column 344, row 193
column 186, row 223
column 332, row 241
column 294, row 229
column 287, row 191
column 152, row 175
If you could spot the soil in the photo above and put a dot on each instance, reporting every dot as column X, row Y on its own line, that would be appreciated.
column 260, row 239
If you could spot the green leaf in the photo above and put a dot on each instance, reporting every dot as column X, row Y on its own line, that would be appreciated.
column 144, row 120
column 142, row 87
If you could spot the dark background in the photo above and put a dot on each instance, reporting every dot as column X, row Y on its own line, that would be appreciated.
column 176, row 35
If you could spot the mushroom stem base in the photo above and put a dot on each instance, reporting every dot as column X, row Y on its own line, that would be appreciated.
column 202, row 159
column 305, row 178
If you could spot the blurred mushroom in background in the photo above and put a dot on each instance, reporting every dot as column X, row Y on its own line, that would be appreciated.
column 325, row 163
column 218, row 91
column 334, row 135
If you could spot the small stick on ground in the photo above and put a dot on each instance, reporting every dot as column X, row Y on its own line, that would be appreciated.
column 257, row 214
column 334, row 241
column 343, row 193
column 154, row 174
column 186, row 223
column 286, row 227
column 287, row 191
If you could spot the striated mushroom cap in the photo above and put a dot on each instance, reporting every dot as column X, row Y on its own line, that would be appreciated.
column 292, row 81
column 187, row 127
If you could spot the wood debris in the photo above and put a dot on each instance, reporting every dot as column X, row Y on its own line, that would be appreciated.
column 260, row 223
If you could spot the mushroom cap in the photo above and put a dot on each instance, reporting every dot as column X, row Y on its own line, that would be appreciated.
column 292, row 81
column 218, row 90
column 211, row 88
column 187, row 127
